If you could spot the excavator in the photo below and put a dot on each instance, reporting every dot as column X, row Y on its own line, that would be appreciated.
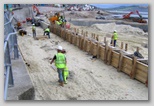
column 134, row 19
column 36, row 9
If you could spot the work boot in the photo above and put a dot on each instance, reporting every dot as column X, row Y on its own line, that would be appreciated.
column 65, row 82
column 61, row 84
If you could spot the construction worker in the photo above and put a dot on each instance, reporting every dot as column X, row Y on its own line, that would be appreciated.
column 34, row 31
column 47, row 32
column 60, row 62
column 11, row 11
column 114, row 38
column 18, row 25
column 65, row 74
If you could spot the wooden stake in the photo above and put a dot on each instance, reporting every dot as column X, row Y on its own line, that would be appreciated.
column 75, row 30
column 91, row 35
column 106, row 52
column 126, row 47
column 82, row 32
column 98, row 49
column 94, row 36
column 97, row 38
column 121, row 45
column 133, row 72
column 109, row 56
column 120, row 61
column 86, row 34
column 104, row 39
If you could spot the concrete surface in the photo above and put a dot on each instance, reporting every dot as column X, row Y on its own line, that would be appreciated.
column 23, row 88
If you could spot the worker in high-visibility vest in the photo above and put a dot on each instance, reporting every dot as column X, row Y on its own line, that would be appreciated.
column 47, row 32
column 114, row 38
column 34, row 31
column 60, row 62
column 11, row 10
column 65, row 74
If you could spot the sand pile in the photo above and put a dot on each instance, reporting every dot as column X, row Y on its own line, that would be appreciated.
column 110, row 27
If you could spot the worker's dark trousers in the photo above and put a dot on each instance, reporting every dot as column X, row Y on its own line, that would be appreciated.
column 47, row 33
column 34, row 34
column 114, row 42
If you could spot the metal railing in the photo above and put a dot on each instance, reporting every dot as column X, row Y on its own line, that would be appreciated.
column 10, row 48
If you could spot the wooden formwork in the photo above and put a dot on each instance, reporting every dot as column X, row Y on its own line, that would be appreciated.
column 127, row 65
column 72, row 38
column 66, row 35
column 65, row 32
column 93, row 48
column 141, row 73
column 81, row 46
column 85, row 44
column 77, row 41
column 102, row 52
column 52, row 28
column 62, row 32
column 88, row 43
column 58, row 30
column 115, row 59
column 131, row 66
column 69, row 35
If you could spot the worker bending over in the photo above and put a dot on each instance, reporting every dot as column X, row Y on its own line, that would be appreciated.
column 114, row 38
column 47, row 32
column 60, row 62
column 34, row 31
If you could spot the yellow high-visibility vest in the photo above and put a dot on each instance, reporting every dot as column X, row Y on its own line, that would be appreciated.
column 60, row 60
column 115, row 37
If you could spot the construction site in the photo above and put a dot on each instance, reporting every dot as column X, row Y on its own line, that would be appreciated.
column 97, row 69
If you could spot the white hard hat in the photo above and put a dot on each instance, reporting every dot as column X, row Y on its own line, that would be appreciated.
column 60, row 48
column 115, row 30
column 33, row 24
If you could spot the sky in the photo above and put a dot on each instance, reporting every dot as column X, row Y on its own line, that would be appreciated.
column 116, row 5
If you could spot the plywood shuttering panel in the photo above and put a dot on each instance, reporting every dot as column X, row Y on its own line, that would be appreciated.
column 141, row 72
column 93, row 49
column 77, row 41
column 52, row 28
column 102, row 52
column 69, row 37
column 61, row 33
column 55, row 29
column 88, row 46
column 115, row 59
column 73, row 39
column 58, row 30
column 86, row 42
column 127, row 65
